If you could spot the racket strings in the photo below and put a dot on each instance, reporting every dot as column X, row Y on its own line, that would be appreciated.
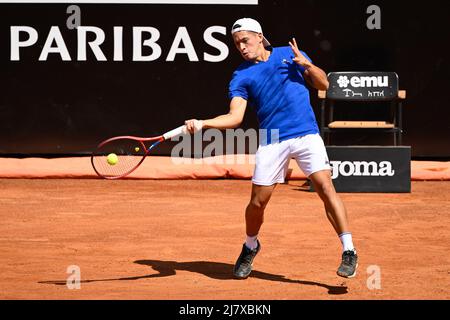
column 118, row 157
column 125, row 163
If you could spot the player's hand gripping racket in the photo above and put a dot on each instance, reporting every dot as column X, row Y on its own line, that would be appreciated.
column 117, row 157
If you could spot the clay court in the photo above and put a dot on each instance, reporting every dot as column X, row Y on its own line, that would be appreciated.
column 179, row 239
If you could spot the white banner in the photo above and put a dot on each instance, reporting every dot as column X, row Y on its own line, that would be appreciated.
column 235, row 2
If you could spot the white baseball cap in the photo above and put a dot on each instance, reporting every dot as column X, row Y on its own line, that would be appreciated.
column 249, row 24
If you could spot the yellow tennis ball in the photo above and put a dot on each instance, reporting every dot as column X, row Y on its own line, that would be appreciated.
column 136, row 149
column 112, row 159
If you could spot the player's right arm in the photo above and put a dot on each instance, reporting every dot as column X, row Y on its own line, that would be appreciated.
column 231, row 120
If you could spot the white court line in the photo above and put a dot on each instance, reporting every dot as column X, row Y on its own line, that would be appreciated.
column 235, row 2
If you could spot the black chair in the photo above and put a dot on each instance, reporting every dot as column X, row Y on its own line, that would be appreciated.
column 362, row 88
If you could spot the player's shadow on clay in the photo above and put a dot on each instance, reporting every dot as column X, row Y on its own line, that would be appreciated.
column 214, row 270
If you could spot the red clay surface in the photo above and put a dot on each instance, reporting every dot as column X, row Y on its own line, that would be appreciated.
column 149, row 239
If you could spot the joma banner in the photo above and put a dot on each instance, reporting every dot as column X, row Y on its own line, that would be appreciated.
column 370, row 168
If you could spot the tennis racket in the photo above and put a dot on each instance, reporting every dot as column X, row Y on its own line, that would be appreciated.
column 117, row 157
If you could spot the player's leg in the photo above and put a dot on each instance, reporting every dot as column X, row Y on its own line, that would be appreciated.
column 337, row 215
column 254, row 218
column 334, row 207
column 310, row 153
column 254, row 213
column 270, row 169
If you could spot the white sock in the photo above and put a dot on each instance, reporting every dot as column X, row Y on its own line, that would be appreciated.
column 251, row 243
column 346, row 240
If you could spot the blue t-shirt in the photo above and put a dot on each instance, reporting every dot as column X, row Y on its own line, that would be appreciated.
column 277, row 90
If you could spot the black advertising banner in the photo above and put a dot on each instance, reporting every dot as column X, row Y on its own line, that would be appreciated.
column 370, row 168
column 363, row 86
column 74, row 73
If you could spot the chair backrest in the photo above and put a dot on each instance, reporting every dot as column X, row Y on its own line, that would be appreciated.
column 362, row 86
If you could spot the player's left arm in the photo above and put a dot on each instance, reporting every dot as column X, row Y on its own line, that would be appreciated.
column 315, row 76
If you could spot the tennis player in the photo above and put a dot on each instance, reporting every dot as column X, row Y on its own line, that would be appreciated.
column 273, row 80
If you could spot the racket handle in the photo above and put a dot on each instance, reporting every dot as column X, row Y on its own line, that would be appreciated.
column 175, row 132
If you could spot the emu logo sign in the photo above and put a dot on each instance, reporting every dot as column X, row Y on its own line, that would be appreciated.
column 363, row 82
column 361, row 168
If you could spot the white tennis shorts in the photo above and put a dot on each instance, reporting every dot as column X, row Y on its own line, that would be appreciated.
column 272, row 160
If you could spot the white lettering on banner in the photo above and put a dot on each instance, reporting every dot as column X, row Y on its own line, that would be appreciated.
column 348, row 91
column 95, row 44
column 150, row 42
column 182, row 36
column 376, row 93
column 213, row 42
column 355, row 82
column 361, row 168
column 16, row 44
column 143, row 37
column 118, row 46
column 363, row 82
column 54, row 35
